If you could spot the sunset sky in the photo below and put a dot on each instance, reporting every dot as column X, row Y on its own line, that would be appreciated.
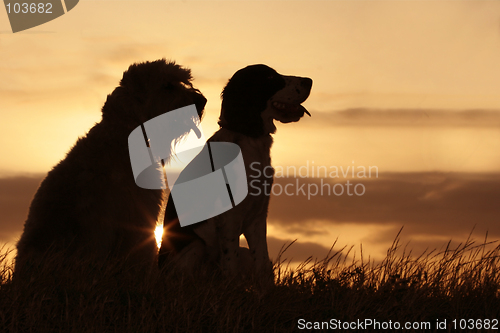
column 410, row 88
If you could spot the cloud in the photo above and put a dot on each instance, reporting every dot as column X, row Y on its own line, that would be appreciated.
column 431, row 206
column 406, row 117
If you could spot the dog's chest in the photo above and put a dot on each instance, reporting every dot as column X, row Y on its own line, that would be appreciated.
column 259, row 172
column 257, row 158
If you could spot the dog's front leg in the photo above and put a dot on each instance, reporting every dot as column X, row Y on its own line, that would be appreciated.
column 228, row 230
column 255, row 235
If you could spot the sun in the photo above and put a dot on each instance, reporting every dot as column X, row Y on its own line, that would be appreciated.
column 158, row 234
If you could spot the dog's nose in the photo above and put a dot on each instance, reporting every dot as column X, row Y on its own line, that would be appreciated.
column 306, row 83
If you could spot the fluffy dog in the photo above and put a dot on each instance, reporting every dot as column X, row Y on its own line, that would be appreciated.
column 88, row 206
column 253, row 98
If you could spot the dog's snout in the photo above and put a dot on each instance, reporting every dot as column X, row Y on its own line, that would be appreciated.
column 306, row 83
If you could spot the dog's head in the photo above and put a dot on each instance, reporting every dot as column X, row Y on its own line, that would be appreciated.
column 150, row 89
column 257, row 94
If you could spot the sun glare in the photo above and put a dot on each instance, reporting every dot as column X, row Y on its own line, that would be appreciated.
column 158, row 234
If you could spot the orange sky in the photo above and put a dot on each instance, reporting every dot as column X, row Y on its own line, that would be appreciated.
column 416, row 58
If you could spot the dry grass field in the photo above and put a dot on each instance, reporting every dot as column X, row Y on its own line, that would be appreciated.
column 459, row 286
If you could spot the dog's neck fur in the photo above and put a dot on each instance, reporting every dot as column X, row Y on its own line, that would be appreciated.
column 267, row 119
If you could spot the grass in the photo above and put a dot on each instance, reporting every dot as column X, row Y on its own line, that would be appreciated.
column 456, row 284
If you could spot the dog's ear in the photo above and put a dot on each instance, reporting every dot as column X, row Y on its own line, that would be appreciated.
column 141, row 77
column 120, row 109
column 240, row 113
